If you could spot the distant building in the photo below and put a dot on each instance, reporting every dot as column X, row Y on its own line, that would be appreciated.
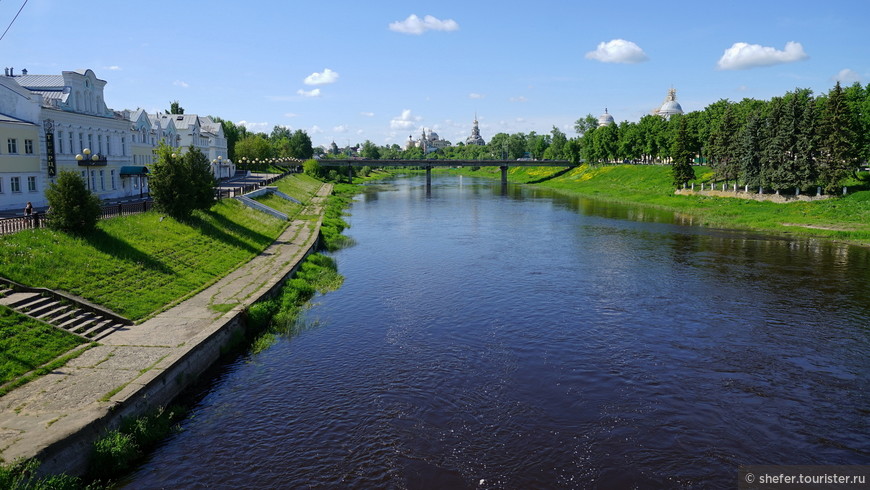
column 670, row 107
column 475, row 138
column 427, row 142
column 605, row 119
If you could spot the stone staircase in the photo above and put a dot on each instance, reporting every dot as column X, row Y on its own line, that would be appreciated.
column 60, row 310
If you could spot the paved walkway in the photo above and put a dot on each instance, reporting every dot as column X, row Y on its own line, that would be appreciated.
column 65, row 402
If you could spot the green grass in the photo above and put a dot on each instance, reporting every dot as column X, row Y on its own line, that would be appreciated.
column 843, row 218
column 136, row 265
column 26, row 344
column 279, row 204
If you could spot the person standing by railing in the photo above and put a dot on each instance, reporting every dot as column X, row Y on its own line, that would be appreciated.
column 28, row 210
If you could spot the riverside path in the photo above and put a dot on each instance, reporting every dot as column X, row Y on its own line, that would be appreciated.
column 138, row 368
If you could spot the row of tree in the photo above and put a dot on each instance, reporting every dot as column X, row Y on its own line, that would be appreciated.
column 244, row 145
column 795, row 141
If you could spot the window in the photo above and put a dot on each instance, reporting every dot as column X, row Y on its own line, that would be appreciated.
column 12, row 145
column 102, row 180
column 31, row 184
column 28, row 147
column 93, row 181
column 81, row 142
column 100, row 144
column 15, row 184
column 60, row 141
column 71, row 142
column 108, row 145
column 114, row 186
column 1, row 185
column 123, row 146
column 91, row 141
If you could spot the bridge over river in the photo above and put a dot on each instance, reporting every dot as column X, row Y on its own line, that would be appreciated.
column 428, row 164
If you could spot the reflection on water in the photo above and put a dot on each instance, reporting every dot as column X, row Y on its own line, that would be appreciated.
column 534, row 340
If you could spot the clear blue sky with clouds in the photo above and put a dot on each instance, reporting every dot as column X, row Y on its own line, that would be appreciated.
column 350, row 71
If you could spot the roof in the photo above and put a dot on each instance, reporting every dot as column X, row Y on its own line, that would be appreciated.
column 9, row 119
column 40, row 82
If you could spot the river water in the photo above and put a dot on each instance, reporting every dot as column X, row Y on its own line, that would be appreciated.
column 525, row 339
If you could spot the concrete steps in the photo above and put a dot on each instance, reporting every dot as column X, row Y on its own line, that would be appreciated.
column 64, row 313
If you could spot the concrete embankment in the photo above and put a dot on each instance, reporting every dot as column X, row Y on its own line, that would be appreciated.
column 138, row 369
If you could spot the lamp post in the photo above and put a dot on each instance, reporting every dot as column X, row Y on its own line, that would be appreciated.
column 85, row 160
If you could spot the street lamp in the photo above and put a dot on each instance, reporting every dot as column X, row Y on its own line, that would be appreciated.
column 85, row 160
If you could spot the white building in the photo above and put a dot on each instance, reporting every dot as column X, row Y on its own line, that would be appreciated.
column 21, row 174
column 86, row 136
column 670, row 107
column 204, row 134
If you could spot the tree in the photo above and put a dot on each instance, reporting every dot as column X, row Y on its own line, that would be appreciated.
column 254, row 147
column 682, row 154
column 181, row 184
column 232, row 133
column 370, row 151
column 750, row 151
column 175, row 108
column 557, row 145
column 279, row 132
column 74, row 208
column 723, row 148
column 300, row 145
column 839, row 138
column 584, row 124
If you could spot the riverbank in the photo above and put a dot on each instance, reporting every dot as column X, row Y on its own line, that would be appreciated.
column 845, row 218
column 56, row 418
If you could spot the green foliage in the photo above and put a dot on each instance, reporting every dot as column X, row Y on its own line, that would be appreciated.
column 21, row 475
column 175, row 107
column 114, row 454
column 370, row 151
column 181, row 184
column 313, row 169
column 74, row 209
column 254, row 147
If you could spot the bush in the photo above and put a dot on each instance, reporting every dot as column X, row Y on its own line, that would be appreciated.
column 114, row 454
column 181, row 184
column 74, row 209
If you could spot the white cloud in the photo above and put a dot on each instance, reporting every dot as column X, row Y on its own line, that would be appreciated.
column 367, row 114
column 113, row 68
column 254, row 126
column 405, row 121
column 315, row 129
column 518, row 99
column 416, row 25
column 179, row 83
column 359, row 131
column 847, row 76
column 741, row 56
column 326, row 77
column 618, row 51
column 310, row 93
column 475, row 96
column 340, row 129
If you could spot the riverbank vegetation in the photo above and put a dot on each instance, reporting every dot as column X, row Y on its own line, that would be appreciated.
column 843, row 218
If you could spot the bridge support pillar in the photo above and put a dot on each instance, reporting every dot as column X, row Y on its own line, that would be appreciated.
column 350, row 174
column 504, row 170
column 428, row 176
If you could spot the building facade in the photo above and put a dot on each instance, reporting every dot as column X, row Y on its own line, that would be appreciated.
column 21, row 176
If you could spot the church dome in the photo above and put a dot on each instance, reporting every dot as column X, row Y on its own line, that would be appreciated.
column 605, row 119
column 670, row 108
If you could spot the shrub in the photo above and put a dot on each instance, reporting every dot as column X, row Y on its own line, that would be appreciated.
column 114, row 454
column 74, row 209
column 181, row 184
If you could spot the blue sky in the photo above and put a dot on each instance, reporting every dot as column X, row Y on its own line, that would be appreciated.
column 349, row 71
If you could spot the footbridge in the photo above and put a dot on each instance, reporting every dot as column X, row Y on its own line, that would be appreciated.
column 429, row 164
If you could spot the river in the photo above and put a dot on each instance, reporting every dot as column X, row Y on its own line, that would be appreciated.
column 527, row 339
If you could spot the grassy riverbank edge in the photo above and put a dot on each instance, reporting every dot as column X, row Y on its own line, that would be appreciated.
column 841, row 218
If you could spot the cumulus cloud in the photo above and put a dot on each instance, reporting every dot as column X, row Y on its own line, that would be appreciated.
column 309, row 93
column 741, row 56
column 315, row 129
column 404, row 121
column 475, row 96
column 254, row 126
column 325, row 77
column 847, row 76
column 113, row 68
column 340, row 128
column 617, row 51
column 179, row 83
column 417, row 26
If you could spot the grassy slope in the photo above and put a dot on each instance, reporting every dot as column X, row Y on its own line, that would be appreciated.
column 135, row 265
column 26, row 344
column 848, row 218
